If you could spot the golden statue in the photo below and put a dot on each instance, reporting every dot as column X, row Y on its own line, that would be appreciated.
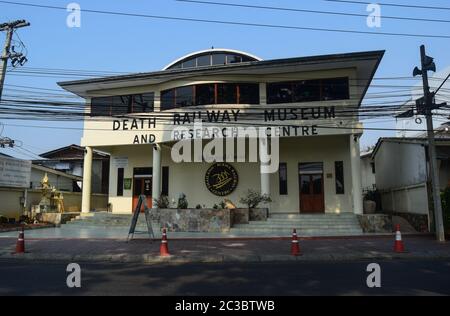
column 51, row 198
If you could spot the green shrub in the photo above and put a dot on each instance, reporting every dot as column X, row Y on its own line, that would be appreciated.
column 162, row 202
column 252, row 199
column 215, row 207
column 182, row 202
column 3, row 219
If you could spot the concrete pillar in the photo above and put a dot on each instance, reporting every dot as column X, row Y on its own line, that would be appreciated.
column 265, row 176
column 87, row 181
column 355, row 161
column 156, row 176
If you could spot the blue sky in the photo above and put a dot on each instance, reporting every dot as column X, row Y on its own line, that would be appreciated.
column 131, row 44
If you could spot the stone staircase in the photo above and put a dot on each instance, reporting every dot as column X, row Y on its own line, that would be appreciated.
column 306, row 225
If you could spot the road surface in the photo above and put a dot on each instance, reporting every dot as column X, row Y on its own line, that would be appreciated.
column 266, row 279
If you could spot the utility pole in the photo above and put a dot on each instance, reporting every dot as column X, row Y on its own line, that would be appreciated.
column 425, row 106
column 9, row 27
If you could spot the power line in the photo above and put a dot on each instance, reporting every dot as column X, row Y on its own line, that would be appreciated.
column 236, row 23
column 248, row 6
column 393, row 4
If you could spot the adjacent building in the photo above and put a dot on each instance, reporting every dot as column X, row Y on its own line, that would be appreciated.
column 69, row 160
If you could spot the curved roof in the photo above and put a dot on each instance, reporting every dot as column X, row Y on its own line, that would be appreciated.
column 211, row 51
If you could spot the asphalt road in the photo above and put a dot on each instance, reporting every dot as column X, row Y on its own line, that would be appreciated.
column 266, row 279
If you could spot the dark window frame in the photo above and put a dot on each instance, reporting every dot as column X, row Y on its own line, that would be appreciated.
column 315, row 84
column 118, row 105
column 120, row 181
column 283, row 183
column 169, row 96
column 165, row 181
column 339, row 177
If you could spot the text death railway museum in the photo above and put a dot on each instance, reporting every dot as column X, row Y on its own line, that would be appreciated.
column 306, row 107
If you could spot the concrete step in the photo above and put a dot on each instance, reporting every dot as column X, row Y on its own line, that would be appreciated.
column 312, row 216
column 243, row 226
column 252, row 228
column 288, row 233
column 347, row 221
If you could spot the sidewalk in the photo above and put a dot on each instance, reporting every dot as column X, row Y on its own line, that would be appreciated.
column 184, row 251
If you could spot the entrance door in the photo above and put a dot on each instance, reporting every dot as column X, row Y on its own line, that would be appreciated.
column 142, row 186
column 311, row 188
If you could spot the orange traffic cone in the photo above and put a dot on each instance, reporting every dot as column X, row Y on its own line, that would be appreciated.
column 164, row 249
column 398, row 246
column 20, row 245
column 295, row 246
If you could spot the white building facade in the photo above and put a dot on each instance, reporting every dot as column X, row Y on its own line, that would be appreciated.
column 311, row 103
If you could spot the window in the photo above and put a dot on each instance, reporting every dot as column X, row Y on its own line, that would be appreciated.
column 122, row 104
column 249, row 93
column 205, row 94
column 189, row 63
column 168, row 99
column 308, row 90
column 232, row 59
column 211, row 58
column 339, row 175
column 184, row 96
column 282, row 172
column 372, row 164
column 101, row 106
column 335, row 89
column 120, row 176
column 204, row 60
column 219, row 59
column 279, row 93
column 311, row 168
column 226, row 93
column 143, row 103
column 165, row 181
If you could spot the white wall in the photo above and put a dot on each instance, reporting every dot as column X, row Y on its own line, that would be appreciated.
column 368, row 180
column 413, row 199
column 188, row 178
column 400, row 164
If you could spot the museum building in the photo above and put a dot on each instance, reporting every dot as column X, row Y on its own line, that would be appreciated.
column 310, row 103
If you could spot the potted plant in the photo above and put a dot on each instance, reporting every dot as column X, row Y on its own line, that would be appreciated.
column 370, row 202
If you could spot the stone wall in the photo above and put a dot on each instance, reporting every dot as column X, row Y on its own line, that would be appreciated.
column 258, row 214
column 56, row 218
column 418, row 221
column 194, row 220
column 239, row 216
column 376, row 223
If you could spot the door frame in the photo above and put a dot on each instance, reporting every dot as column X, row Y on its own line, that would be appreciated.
column 301, row 211
column 141, row 173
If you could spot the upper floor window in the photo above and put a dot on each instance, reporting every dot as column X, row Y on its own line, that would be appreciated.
column 211, row 93
column 308, row 90
column 122, row 104
column 211, row 59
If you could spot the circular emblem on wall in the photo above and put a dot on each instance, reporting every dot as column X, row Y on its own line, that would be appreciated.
column 221, row 179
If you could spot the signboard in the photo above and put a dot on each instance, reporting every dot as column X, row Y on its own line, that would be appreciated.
column 120, row 162
column 14, row 173
column 142, row 202
column 127, row 184
column 221, row 179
